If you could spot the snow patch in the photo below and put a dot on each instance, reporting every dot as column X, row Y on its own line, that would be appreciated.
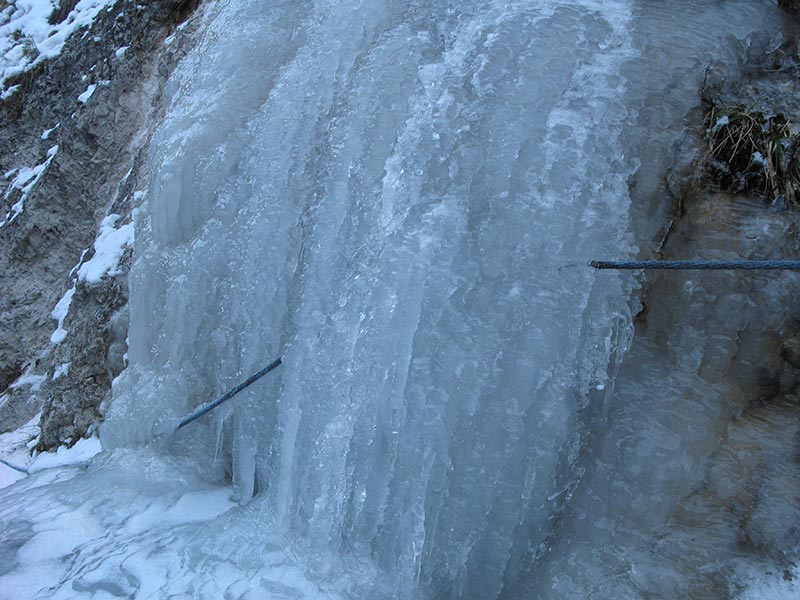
column 79, row 454
column 14, row 449
column 108, row 249
column 120, row 53
column 759, row 159
column 84, row 97
column 60, row 313
column 46, row 133
column 32, row 381
column 61, row 370
column 721, row 122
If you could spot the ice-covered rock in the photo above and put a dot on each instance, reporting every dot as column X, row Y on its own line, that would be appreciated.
column 400, row 200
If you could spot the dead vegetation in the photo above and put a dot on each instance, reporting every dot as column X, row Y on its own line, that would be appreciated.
column 751, row 151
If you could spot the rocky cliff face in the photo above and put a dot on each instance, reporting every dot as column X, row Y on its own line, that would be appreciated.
column 745, row 325
column 74, row 130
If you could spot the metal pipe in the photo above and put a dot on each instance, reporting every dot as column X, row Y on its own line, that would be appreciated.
column 209, row 406
column 698, row 265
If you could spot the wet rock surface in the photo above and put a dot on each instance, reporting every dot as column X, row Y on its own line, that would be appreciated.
column 739, row 482
column 97, row 170
column 91, row 359
column 790, row 6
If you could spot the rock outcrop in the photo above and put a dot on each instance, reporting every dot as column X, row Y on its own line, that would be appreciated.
column 745, row 375
column 84, row 119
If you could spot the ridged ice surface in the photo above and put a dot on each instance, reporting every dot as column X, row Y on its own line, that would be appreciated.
column 393, row 196
column 383, row 194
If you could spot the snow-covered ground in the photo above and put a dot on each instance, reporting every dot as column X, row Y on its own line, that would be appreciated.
column 132, row 524
column 16, row 449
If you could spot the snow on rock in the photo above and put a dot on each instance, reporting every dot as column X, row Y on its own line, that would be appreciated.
column 46, row 133
column 89, row 92
column 60, row 313
column 7, row 93
column 84, row 97
column 27, row 38
column 61, row 370
column 25, row 180
column 108, row 249
column 32, row 381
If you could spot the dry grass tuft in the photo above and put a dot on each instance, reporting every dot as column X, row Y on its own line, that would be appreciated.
column 749, row 151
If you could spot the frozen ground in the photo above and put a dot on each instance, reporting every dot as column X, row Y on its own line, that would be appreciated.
column 136, row 525
column 131, row 524
column 772, row 586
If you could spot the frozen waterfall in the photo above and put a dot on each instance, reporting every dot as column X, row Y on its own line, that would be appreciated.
column 384, row 194
column 398, row 197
